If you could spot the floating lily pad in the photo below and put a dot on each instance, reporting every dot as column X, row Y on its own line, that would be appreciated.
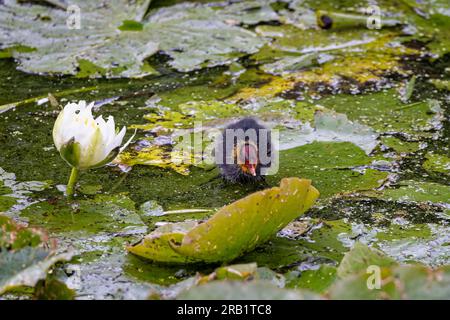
column 53, row 289
column 400, row 146
column 396, row 282
column 14, row 236
column 384, row 112
column 323, row 240
column 59, row 48
column 329, row 165
column 26, row 267
column 437, row 164
column 349, row 61
column 418, row 191
column 21, row 255
column 102, row 214
column 194, row 35
column 315, row 280
column 361, row 257
column 261, row 290
column 234, row 229
column 330, row 126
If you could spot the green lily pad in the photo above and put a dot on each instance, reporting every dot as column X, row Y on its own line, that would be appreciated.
column 14, row 236
column 104, row 213
column 400, row 146
column 331, row 126
column 384, row 112
column 420, row 282
column 236, row 290
column 418, row 191
column 60, row 48
column 12, row 191
column 6, row 202
column 53, row 289
column 234, row 229
column 194, row 35
column 329, row 165
column 396, row 281
column 361, row 257
column 26, row 267
column 437, row 164
column 315, row 280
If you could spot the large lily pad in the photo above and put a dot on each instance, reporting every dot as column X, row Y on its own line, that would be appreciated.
column 23, row 260
column 315, row 280
column 59, row 49
column 262, row 290
column 192, row 34
column 329, row 165
column 14, row 236
column 385, row 112
column 26, row 267
column 419, row 191
column 234, row 229
column 396, row 281
column 321, row 62
column 330, row 126
column 437, row 164
column 361, row 257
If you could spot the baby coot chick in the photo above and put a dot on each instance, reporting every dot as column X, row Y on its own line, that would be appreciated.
column 243, row 152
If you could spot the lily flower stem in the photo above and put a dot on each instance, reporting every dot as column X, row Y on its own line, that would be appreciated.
column 72, row 181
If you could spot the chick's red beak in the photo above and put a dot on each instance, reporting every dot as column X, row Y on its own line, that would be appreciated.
column 248, row 159
column 249, row 168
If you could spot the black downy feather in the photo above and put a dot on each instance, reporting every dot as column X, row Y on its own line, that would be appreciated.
column 231, row 171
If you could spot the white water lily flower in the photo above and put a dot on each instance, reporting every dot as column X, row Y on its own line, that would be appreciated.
column 85, row 142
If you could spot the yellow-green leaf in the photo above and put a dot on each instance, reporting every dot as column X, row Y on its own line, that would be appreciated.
column 234, row 229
